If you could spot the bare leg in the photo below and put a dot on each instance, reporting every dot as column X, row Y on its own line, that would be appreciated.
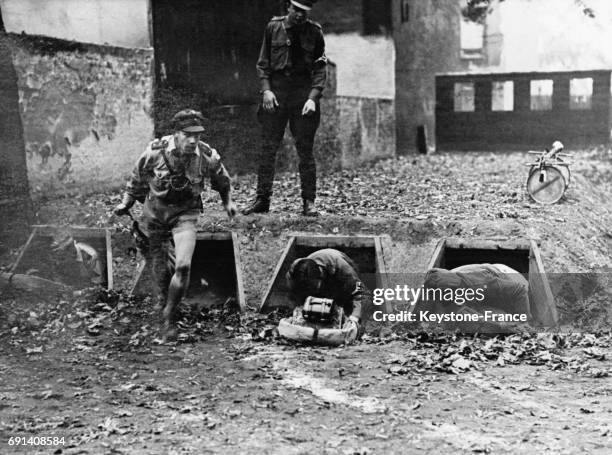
column 184, row 245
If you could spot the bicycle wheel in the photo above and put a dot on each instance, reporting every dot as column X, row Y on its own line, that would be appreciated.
column 565, row 171
column 547, row 185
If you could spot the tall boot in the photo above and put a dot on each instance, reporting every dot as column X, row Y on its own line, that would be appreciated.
column 261, row 205
column 308, row 209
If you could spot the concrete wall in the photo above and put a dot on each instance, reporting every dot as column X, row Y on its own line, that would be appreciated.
column 85, row 111
column 112, row 22
column 426, row 44
column 359, row 119
column 365, row 64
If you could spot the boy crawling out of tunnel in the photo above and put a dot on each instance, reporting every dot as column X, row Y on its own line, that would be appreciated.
column 485, row 298
column 329, row 299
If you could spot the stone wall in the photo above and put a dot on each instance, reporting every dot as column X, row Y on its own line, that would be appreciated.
column 88, row 113
column 365, row 64
column 85, row 111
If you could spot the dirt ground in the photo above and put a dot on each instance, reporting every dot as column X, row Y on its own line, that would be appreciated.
column 89, row 367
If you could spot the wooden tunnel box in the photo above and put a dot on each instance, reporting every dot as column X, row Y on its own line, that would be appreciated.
column 216, row 272
column 40, row 258
column 365, row 251
column 522, row 255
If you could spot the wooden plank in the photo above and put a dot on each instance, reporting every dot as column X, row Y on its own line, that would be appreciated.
column 381, row 271
column 214, row 236
column 542, row 301
column 238, row 273
column 487, row 244
column 109, row 261
column 265, row 306
column 23, row 250
column 381, row 265
column 47, row 229
column 438, row 255
column 332, row 241
column 141, row 270
column 33, row 283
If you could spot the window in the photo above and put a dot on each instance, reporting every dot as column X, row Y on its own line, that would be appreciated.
column 581, row 93
column 464, row 97
column 471, row 36
column 405, row 10
column 541, row 94
column 502, row 96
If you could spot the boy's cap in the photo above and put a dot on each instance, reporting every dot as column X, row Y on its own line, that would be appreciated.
column 188, row 121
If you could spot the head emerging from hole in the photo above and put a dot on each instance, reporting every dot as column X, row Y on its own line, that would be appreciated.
column 187, row 129
column 307, row 276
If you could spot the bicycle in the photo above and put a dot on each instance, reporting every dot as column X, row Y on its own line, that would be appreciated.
column 549, row 175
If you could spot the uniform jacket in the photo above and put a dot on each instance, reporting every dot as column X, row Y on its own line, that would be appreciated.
column 274, row 54
column 340, row 281
column 151, row 177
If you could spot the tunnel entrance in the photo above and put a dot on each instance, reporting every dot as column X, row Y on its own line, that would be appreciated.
column 365, row 251
column 216, row 273
column 58, row 254
column 523, row 255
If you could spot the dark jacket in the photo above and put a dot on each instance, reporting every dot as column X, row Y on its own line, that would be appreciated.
column 340, row 281
column 274, row 57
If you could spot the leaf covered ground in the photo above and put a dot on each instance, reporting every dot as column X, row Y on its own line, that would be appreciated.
column 89, row 366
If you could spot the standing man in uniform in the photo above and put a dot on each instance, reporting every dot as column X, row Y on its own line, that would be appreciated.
column 168, row 179
column 292, row 71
